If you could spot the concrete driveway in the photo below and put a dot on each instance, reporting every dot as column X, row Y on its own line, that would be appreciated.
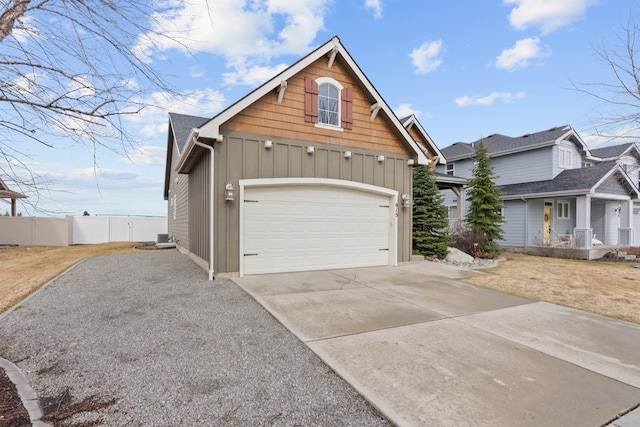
column 427, row 349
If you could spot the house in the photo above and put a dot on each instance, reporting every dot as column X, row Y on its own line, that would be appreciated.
column 312, row 170
column 556, row 190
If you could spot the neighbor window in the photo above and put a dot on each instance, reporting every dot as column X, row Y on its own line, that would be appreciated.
column 450, row 169
column 453, row 211
column 564, row 158
column 587, row 164
column 563, row 210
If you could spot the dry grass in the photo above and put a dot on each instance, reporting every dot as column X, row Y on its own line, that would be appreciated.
column 610, row 289
column 26, row 269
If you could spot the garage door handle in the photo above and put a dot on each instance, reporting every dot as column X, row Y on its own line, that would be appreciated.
column 384, row 249
column 250, row 254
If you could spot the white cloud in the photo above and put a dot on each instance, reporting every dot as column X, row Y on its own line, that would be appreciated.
column 620, row 135
column 252, row 75
column 426, row 58
column 246, row 32
column 153, row 118
column 147, row 155
column 520, row 55
column 547, row 15
column 405, row 110
column 375, row 6
column 506, row 97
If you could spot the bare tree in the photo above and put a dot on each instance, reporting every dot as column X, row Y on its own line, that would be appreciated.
column 620, row 93
column 69, row 72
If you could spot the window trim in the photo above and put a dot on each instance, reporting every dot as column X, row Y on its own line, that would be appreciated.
column 563, row 209
column 562, row 155
column 451, row 172
column 328, row 80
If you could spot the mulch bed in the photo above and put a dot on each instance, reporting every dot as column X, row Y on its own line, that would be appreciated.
column 12, row 412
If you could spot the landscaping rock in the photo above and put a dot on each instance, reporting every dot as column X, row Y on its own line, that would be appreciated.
column 456, row 256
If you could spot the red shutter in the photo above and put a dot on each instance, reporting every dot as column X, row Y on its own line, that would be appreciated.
column 347, row 108
column 310, row 100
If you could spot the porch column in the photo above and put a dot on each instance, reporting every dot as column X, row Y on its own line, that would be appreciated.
column 625, row 233
column 460, row 194
column 583, row 233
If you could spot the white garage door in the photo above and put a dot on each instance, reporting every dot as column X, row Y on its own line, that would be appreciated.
column 314, row 227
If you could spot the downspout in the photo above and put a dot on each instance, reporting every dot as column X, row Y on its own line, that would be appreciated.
column 526, row 222
column 211, row 193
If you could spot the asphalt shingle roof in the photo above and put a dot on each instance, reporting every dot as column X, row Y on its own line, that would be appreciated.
column 610, row 152
column 582, row 179
column 182, row 125
column 497, row 143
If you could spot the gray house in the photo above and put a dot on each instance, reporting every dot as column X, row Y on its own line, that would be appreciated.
column 312, row 170
column 557, row 191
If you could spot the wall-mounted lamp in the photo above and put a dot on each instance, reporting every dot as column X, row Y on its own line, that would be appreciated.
column 268, row 144
column 347, row 154
column 310, row 150
column 381, row 158
column 410, row 162
column 229, row 191
column 406, row 201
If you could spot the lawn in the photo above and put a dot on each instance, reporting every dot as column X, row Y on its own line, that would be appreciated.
column 608, row 288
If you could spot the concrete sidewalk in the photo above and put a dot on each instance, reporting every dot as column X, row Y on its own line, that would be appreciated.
column 426, row 349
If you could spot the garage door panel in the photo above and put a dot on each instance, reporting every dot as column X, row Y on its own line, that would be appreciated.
column 314, row 227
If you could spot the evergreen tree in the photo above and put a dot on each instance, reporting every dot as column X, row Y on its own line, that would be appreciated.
column 485, row 216
column 430, row 219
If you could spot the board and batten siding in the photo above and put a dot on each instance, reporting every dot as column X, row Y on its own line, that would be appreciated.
column 178, row 227
column 287, row 120
column 576, row 157
column 243, row 156
column 199, row 207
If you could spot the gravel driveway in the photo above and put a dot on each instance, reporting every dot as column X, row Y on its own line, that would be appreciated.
column 172, row 348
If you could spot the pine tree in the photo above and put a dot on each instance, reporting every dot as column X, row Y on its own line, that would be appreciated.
column 485, row 216
column 430, row 219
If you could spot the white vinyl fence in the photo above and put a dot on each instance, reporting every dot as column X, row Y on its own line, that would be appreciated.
column 78, row 230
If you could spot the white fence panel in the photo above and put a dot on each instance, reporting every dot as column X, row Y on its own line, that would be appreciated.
column 120, row 229
column 147, row 229
column 90, row 229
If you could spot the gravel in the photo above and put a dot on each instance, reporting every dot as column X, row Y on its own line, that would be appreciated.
column 172, row 348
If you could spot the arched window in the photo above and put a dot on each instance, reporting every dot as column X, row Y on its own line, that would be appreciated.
column 328, row 104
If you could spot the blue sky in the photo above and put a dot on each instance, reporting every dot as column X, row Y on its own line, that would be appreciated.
column 467, row 69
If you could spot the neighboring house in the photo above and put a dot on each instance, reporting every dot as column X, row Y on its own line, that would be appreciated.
column 556, row 189
column 444, row 181
column 6, row 193
column 311, row 170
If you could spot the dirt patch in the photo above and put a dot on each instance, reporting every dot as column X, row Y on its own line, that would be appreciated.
column 608, row 288
column 26, row 268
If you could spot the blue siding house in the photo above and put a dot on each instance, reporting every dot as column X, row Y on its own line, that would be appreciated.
column 556, row 190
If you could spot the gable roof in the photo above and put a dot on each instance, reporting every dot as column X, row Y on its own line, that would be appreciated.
column 182, row 125
column 615, row 151
column 410, row 121
column 569, row 182
column 500, row 145
column 211, row 129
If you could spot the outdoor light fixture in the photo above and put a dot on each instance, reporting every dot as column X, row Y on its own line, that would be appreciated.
column 381, row 158
column 347, row 154
column 229, row 191
column 406, row 201
column 410, row 162
column 310, row 150
column 268, row 144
